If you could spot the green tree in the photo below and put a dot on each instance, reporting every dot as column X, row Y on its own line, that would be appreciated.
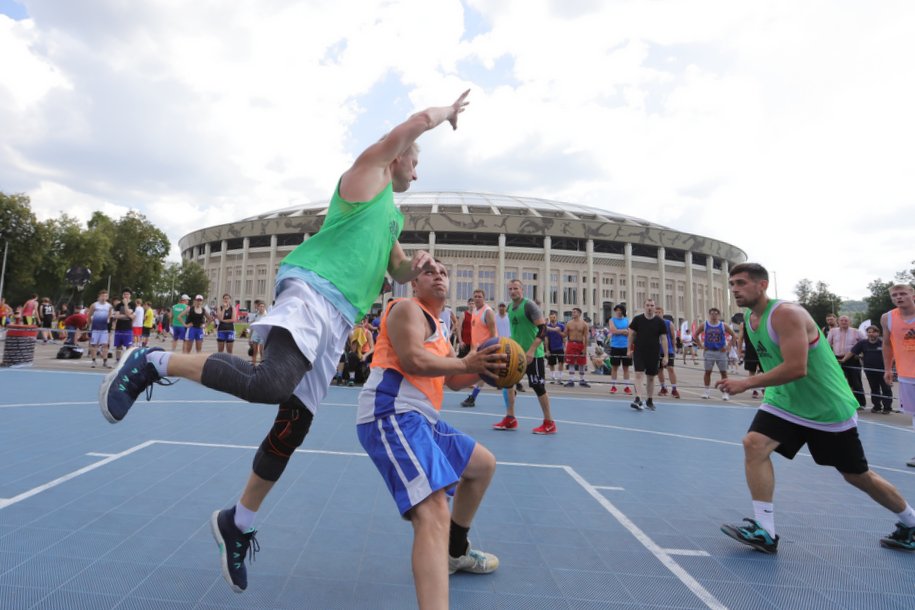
column 18, row 228
column 818, row 301
column 137, row 253
column 187, row 277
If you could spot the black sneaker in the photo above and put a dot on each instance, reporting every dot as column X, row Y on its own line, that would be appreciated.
column 876, row 409
column 469, row 402
column 903, row 538
column 752, row 535
column 123, row 385
column 233, row 546
column 649, row 404
column 636, row 404
column 584, row 384
column 519, row 387
column 569, row 384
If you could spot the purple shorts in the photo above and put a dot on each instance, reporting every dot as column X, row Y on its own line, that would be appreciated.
column 123, row 338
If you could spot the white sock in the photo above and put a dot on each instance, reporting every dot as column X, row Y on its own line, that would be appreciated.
column 244, row 518
column 765, row 516
column 160, row 361
column 907, row 516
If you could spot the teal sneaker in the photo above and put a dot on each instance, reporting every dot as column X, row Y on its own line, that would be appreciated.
column 121, row 387
column 233, row 547
column 902, row 539
column 752, row 535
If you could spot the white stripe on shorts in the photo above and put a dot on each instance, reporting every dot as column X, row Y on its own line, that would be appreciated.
column 418, row 489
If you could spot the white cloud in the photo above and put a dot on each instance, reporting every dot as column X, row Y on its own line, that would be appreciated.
column 781, row 127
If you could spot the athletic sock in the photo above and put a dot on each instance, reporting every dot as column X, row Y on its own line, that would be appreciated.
column 475, row 392
column 765, row 516
column 457, row 540
column 160, row 361
column 907, row 516
column 505, row 396
column 663, row 386
column 244, row 518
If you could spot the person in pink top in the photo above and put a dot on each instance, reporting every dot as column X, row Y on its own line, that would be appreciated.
column 29, row 311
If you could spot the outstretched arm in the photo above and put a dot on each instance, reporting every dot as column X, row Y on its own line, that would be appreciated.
column 372, row 169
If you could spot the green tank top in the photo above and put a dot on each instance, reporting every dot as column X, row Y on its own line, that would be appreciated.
column 177, row 308
column 353, row 247
column 823, row 396
column 523, row 330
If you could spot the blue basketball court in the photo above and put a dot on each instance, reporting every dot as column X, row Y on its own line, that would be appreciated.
column 620, row 509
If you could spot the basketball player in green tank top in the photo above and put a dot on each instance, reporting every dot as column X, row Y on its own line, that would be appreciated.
column 322, row 288
column 806, row 401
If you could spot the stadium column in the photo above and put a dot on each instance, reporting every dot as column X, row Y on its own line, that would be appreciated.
column 206, row 265
column 710, row 272
column 590, row 288
column 662, row 279
column 242, row 294
column 224, row 249
column 547, row 274
column 432, row 244
column 690, row 293
column 499, row 296
column 630, row 285
column 271, row 271
column 728, row 297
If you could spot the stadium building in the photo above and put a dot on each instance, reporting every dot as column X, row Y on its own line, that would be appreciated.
column 567, row 255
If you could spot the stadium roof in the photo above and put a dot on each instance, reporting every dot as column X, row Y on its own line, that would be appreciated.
column 476, row 203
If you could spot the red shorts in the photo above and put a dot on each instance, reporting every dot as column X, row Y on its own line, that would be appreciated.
column 137, row 331
column 575, row 353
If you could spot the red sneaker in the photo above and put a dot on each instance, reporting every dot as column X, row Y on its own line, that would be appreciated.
column 548, row 427
column 663, row 392
column 506, row 423
column 675, row 393
column 613, row 389
column 628, row 390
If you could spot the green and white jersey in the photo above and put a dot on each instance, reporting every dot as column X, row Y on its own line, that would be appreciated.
column 524, row 331
column 821, row 399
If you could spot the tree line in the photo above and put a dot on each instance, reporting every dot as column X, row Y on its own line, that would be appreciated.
column 125, row 252
column 820, row 301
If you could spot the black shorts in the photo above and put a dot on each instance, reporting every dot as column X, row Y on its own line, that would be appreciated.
column 620, row 355
column 47, row 321
column 669, row 365
column 752, row 366
column 146, row 331
column 648, row 365
column 841, row 450
column 536, row 372
column 554, row 358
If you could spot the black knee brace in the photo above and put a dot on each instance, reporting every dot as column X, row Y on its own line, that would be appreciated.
column 289, row 430
column 539, row 388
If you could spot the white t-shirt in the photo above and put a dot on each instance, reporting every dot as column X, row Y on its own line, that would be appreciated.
column 138, row 316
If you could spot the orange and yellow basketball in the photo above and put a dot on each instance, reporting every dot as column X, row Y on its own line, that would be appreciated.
column 515, row 367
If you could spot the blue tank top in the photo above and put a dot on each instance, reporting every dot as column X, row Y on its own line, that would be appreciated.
column 714, row 337
column 100, row 316
column 620, row 340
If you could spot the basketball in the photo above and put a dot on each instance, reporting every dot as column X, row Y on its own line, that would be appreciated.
column 515, row 367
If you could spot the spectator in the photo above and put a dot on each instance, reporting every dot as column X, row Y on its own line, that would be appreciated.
column 29, row 311
column 871, row 351
column 555, row 346
column 841, row 339
column 46, row 320
column 466, row 325
column 619, row 347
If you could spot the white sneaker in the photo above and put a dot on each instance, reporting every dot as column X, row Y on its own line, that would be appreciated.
column 725, row 396
column 705, row 395
column 473, row 561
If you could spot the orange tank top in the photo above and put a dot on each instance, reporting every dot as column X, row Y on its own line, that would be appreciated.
column 435, row 342
column 902, row 335
column 479, row 330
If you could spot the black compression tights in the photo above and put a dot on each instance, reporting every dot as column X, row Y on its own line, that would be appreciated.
column 270, row 382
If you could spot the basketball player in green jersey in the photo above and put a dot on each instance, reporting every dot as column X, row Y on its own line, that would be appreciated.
column 322, row 288
column 806, row 401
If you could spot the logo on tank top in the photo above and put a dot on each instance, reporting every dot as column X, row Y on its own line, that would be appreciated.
column 761, row 349
column 393, row 228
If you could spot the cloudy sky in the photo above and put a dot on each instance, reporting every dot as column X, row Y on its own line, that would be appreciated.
column 784, row 127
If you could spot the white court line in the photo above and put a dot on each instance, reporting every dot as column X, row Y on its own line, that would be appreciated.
column 609, row 488
column 686, row 552
column 661, row 554
column 97, row 454
column 37, row 490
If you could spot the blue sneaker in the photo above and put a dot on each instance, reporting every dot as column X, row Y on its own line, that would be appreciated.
column 903, row 538
column 752, row 535
column 233, row 546
column 123, row 384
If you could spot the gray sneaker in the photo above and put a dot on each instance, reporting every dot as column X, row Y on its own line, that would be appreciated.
column 911, row 463
column 473, row 561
